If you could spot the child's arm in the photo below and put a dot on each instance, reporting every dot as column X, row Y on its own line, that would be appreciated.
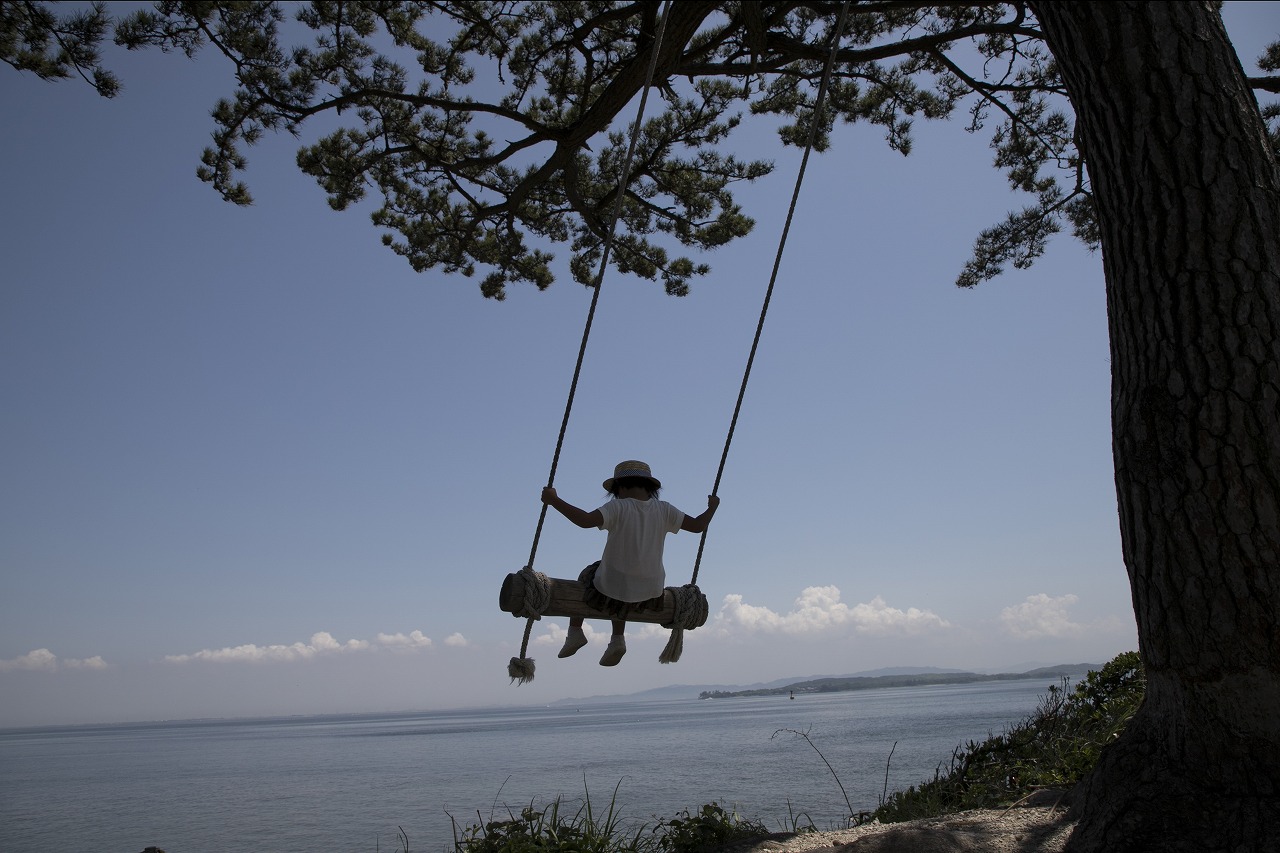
column 699, row 524
column 580, row 517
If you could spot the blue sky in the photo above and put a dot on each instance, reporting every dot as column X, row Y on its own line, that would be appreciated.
column 251, row 463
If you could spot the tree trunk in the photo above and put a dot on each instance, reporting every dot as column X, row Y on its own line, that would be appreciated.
column 1188, row 198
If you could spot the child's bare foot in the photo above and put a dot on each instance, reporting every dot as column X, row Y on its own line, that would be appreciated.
column 617, row 648
column 576, row 640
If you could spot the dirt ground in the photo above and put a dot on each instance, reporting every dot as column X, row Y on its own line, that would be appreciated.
column 1033, row 827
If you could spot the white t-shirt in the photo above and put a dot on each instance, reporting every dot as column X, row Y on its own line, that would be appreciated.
column 631, row 567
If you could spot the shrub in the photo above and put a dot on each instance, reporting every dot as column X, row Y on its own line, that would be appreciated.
column 709, row 827
column 1052, row 748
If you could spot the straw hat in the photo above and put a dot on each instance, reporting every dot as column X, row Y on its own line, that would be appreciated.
column 631, row 468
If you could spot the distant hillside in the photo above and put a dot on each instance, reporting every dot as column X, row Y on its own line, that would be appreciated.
column 901, row 676
column 916, row 679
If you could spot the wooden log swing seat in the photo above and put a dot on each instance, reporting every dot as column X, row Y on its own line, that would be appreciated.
column 566, row 598
column 531, row 595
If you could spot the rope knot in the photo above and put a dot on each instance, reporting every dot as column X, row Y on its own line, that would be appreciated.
column 690, row 612
column 537, row 598
column 537, row 593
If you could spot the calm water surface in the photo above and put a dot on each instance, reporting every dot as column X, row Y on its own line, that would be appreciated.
column 344, row 784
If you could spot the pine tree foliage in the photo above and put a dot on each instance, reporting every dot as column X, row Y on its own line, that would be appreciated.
column 34, row 38
column 493, row 130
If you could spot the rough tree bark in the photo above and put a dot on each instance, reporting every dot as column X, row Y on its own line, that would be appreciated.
column 1188, row 196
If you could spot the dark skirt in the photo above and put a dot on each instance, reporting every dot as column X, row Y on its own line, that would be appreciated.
column 615, row 608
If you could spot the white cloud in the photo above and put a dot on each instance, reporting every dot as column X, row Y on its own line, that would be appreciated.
column 35, row 659
column 819, row 609
column 412, row 640
column 43, row 660
column 95, row 662
column 1041, row 616
column 321, row 642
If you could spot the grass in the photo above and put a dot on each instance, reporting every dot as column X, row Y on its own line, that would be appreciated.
column 587, row 831
column 1054, row 747
column 550, row 829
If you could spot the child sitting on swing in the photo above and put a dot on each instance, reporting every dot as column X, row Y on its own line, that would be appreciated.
column 629, row 576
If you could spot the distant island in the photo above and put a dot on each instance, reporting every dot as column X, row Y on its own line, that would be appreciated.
column 923, row 679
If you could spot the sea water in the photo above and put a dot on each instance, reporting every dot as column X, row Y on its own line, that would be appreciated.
column 351, row 784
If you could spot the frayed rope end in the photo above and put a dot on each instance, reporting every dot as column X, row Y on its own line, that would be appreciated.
column 521, row 670
column 675, row 646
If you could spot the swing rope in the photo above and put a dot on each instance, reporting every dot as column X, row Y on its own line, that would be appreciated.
column 690, row 604
column 777, row 260
column 689, row 619
column 521, row 669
